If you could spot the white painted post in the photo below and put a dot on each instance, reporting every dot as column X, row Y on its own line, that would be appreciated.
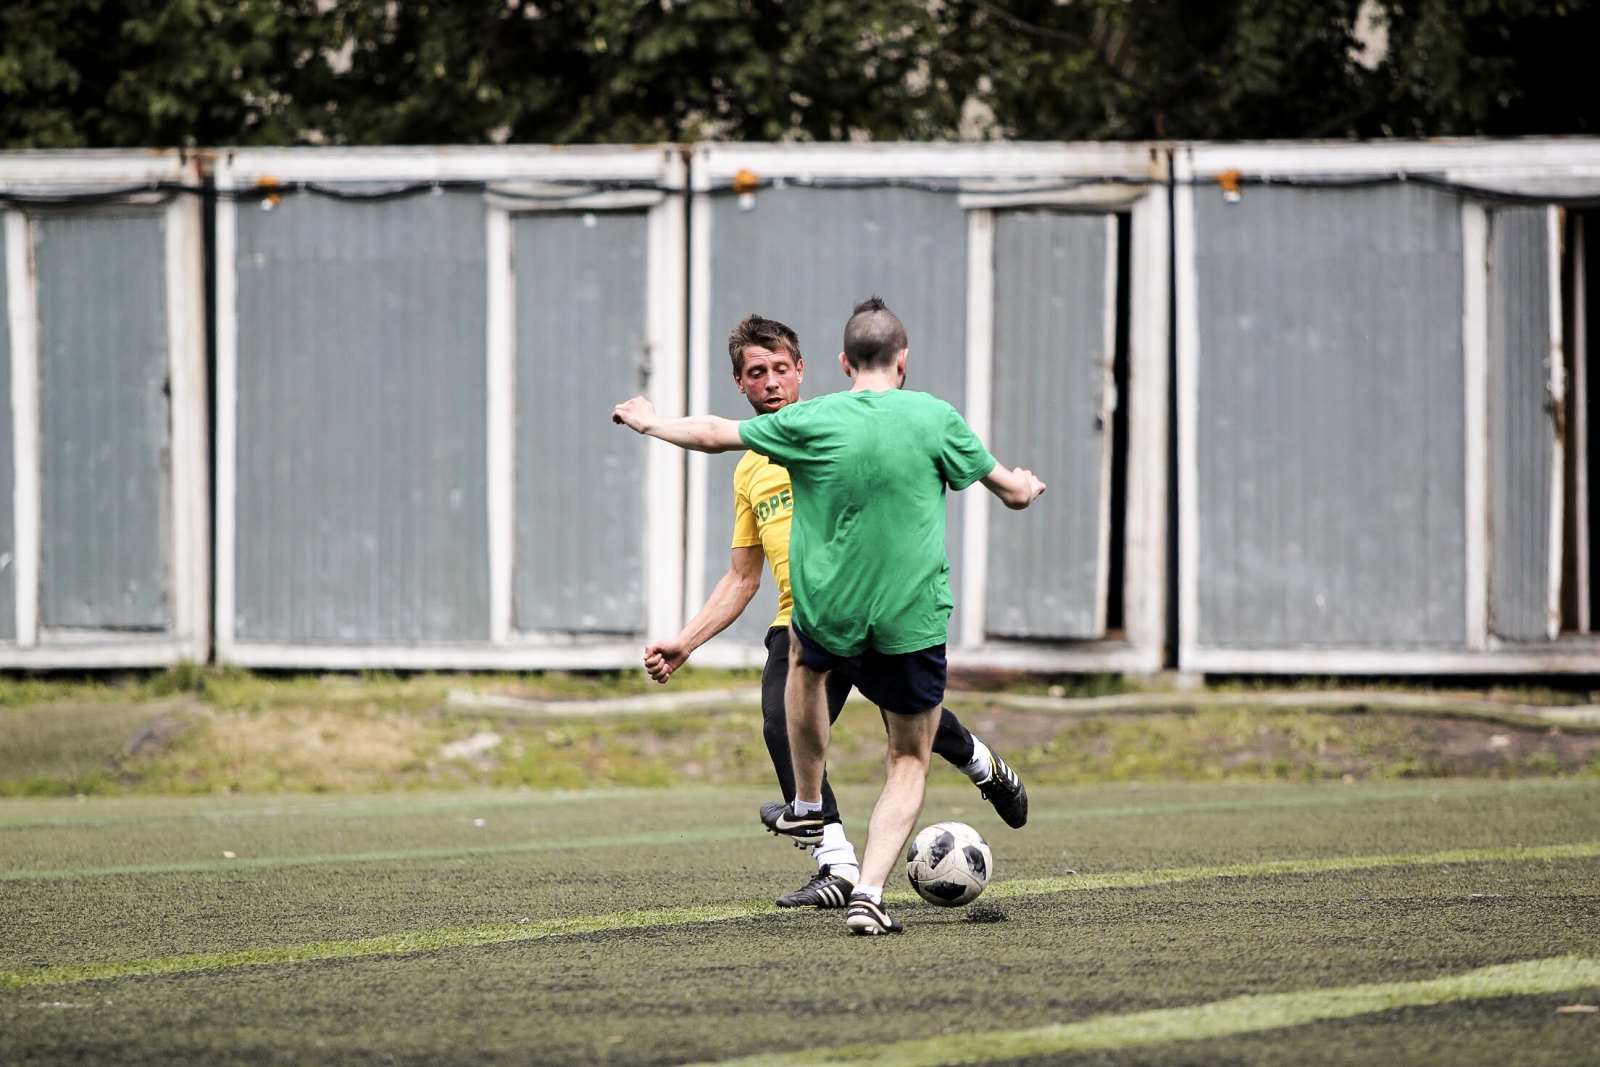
column 1555, row 358
column 23, row 314
column 1475, row 335
column 664, row 511
column 502, row 423
column 227, row 422
column 979, row 415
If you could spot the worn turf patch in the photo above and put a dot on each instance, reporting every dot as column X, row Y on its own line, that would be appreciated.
column 467, row 937
column 1223, row 1018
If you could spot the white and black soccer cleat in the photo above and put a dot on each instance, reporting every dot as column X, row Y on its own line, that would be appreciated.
column 866, row 916
column 826, row 890
column 803, row 830
column 1005, row 791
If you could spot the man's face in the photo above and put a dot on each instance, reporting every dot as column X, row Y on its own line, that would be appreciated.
column 770, row 379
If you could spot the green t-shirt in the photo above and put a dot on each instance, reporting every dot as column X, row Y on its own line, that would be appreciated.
column 866, row 557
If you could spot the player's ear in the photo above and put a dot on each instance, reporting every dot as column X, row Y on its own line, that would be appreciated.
column 799, row 370
column 900, row 362
column 844, row 365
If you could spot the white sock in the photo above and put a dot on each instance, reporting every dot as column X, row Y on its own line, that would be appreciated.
column 980, row 768
column 873, row 892
column 837, row 853
column 806, row 807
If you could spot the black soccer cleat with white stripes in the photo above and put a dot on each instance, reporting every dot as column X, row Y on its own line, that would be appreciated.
column 803, row 830
column 1005, row 791
column 866, row 916
column 826, row 890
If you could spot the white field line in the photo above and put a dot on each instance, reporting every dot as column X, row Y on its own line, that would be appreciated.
column 475, row 936
column 1222, row 1018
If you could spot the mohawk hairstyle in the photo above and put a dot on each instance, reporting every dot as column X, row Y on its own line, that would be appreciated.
column 874, row 336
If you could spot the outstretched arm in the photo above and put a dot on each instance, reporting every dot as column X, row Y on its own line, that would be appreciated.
column 1016, row 488
column 701, row 433
column 728, row 600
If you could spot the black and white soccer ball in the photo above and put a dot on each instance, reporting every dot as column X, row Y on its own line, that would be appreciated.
column 949, row 863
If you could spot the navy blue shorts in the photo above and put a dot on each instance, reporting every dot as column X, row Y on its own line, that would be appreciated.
column 905, row 683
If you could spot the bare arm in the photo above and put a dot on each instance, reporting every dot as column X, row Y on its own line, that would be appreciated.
column 728, row 600
column 1016, row 488
column 699, row 433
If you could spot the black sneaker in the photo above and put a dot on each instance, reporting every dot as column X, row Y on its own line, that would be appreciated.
column 826, row 890
column 803, row 830
column 866, row 916
column 1006, row 792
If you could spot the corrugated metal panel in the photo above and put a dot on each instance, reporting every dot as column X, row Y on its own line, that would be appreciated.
column 1330, row 422
column 102, row 419
column 1520, row 428
column 1050, row 360
column 8, row 568
column 806, row 257
column 580, row 292
column 361, row 508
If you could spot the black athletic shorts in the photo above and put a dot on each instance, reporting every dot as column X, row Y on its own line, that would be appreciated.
column 906, row 683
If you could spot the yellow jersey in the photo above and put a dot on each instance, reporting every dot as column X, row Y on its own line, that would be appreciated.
column 763, row 504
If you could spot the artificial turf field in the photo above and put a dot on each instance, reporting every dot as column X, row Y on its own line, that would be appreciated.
column 1401, row 922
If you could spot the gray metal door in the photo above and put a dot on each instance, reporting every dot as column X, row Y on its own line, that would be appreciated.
column 1329, row 426
column 805, row 257
column 102, row 419
column 580, row 344
column 1054, row 394
column 361, row 505
column 1525, row 459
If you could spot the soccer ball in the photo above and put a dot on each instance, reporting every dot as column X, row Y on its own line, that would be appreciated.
column 949, row 863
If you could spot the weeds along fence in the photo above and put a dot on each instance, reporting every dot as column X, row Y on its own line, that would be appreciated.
column 1302, row 407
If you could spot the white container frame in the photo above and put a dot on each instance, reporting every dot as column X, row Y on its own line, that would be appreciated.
column 991, row 176
column 1533, row 169
column 662, row 165
column 135, row 175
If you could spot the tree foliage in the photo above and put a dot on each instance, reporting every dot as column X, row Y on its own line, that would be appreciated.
column 267, row 72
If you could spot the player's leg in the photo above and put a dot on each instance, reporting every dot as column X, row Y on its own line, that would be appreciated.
column 992, row 775
column 909, row 688
column 893, row 817
column 837, row 865
column 806, row 709
column 971, row 755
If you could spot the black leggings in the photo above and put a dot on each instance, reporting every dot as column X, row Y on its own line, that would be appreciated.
column 953, row 742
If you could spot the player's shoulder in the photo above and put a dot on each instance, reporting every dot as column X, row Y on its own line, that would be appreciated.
column 926, row 405
column 750, row 464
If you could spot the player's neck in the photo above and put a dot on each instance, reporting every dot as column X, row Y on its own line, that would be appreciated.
column 875, row 380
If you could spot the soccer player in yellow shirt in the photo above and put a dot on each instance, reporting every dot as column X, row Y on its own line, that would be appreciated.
column 768, row 370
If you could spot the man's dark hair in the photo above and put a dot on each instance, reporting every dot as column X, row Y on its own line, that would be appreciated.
column 764, row 333
column 874, row 336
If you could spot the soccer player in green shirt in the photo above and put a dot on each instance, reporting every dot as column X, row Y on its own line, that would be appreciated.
column 868, row 572
column 768, row 370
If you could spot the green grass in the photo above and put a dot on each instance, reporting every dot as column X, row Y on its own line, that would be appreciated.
column 223, row 730
column 1415, row 922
